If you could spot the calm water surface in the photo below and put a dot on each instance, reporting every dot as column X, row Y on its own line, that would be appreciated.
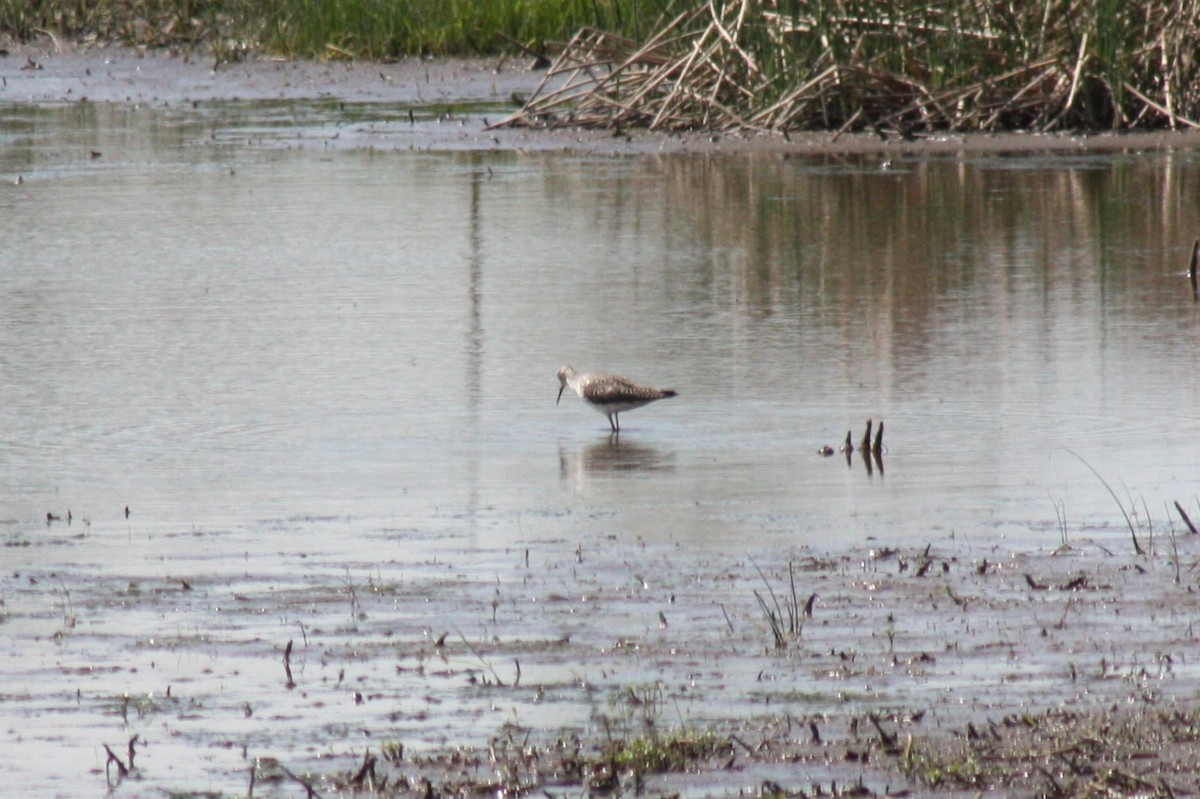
column 216, row 335
column 293, row 366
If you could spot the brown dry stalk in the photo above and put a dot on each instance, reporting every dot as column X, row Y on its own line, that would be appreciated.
column 1172, row 117
column 733, row 65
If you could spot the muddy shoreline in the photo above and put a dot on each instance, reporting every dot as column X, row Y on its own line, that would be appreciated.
column 604, row 666
column 51, row 73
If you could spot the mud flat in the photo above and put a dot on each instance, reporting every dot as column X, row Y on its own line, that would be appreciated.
column 267, row 661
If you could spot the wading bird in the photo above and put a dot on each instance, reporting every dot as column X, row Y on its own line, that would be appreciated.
column 608, row 394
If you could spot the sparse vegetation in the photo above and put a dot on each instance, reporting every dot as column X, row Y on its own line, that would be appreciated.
column 1133, row 530
column 853, row 707
column 673, row 751
column 1065, row 753
column 786, row 620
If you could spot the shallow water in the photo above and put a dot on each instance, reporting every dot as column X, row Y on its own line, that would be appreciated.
column 216, row 334
column 314, row 375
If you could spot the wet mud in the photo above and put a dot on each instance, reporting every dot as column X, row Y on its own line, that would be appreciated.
column 440, row 104
column 601, row 665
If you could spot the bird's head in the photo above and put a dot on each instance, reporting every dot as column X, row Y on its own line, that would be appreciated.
column 564, row 374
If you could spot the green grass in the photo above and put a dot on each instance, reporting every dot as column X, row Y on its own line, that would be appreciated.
column 371, row 29
column 672, row 751
column 383, row 28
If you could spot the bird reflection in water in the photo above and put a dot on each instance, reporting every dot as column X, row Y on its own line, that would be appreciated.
column 610, row 455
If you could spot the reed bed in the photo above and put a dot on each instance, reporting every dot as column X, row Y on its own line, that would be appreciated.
column 907, row 68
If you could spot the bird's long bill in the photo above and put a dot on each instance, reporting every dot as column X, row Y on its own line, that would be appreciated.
column 560, row 391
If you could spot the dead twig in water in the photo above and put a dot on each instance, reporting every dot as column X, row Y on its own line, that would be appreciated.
column 960, row 601
column 309, row 789
column 865, row 444
column 1062, row 620
column 274, row 771
column 287, row 666
column 727, row 621
column 1186, row 519
column 1060, row 512
column 924, row 565
column 364, row 778
column 122, row 770
column 356, row 612
column 479, row 657
column 1175, row 555
column 774, row 621
column 886, row 739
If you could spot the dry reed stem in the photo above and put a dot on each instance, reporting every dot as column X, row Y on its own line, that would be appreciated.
column 701, row 71
column 684, row 72
column 737, row 29
column 1174, row 119
column 790, row 98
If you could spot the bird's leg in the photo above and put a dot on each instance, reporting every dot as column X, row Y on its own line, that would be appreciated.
column 611, row 424
column 617, row 420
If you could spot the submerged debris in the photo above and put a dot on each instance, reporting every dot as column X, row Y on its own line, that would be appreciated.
column 870, row 448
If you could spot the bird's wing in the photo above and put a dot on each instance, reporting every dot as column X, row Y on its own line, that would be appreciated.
column 617, row 389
